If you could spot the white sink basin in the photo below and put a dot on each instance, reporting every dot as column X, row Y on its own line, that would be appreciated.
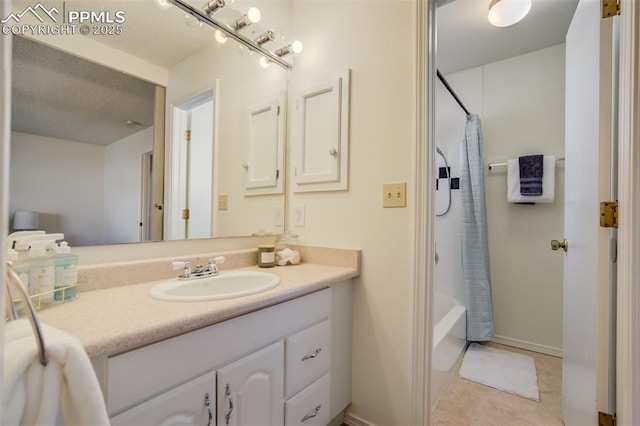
column 226, row 285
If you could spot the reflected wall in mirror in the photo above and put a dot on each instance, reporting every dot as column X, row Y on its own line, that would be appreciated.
column 86, row 199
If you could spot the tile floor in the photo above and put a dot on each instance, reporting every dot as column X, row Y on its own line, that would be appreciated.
column 465, row 403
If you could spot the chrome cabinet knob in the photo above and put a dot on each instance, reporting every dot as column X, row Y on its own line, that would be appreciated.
column 564, row 245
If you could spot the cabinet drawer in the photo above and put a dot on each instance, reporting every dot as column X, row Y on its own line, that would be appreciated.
column 193, row 403
column 308, row 356
column 311, row 406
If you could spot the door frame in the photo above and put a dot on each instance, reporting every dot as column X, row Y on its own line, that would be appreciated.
column 628, row 330
column 628, row 327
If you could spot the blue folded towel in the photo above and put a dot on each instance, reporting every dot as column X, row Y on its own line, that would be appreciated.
column 531, row 168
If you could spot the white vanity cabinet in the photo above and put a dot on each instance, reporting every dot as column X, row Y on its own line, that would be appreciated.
column 283, row 365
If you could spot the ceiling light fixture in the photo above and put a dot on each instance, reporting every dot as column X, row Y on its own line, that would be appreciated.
column 295, row 47
column 504, row 13
column 252, row 16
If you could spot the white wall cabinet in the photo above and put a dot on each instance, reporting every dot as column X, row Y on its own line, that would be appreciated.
column 264, row 162
column 322, row 136
column 286, row 364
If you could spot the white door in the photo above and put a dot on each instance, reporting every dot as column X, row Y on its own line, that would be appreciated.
column 587, row 182
column 251, row 390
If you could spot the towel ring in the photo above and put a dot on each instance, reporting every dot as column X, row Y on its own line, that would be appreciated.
column 33, row 318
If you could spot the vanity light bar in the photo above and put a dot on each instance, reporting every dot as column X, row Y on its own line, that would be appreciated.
column 230, row 32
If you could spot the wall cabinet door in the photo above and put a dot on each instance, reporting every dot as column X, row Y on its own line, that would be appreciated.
column 190, row 404
column 251, row 390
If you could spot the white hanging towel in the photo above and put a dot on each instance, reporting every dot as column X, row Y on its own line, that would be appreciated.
column 548, row 182
column 33, row 394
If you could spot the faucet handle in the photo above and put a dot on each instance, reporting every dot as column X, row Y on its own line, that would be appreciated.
column 179, row 264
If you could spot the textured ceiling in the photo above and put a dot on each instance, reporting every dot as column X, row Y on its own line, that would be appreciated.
column 59, row 95
column 466, row 39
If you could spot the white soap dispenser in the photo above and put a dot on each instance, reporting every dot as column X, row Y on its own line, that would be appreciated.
column 42, row 268
column 66, row 272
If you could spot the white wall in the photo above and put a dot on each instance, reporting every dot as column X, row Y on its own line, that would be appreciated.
column 72, row 202
column 377, row 42
column 521, row 103
column 123, row 187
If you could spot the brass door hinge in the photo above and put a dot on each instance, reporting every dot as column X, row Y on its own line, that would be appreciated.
column 610, row 8
column 606, row 419
column 187, row 135
column 185, row 213
column 609, row 214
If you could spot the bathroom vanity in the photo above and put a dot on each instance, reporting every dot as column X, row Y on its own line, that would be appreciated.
column 282, row 355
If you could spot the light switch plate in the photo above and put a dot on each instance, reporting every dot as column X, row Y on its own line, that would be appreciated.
column 223, row 202
column 394, row 195
column 278, row 217
column 298, row 215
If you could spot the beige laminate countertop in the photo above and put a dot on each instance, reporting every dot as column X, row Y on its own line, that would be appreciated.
column 119, row 319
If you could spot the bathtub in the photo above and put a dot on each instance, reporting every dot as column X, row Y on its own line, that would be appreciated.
column 449, row 341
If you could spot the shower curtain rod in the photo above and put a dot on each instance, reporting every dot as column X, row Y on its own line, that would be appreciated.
column 453, row 93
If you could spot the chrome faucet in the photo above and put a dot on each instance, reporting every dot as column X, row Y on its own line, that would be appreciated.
column 198, row 271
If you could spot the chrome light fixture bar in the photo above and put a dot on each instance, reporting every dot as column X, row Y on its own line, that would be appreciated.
column 230, row 32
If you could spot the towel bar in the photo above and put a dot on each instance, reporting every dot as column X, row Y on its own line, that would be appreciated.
column 33, row 318
column 492, row 165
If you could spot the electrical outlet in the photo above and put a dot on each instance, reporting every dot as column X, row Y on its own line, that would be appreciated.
column 298, row 215
column 223, row 202
column 394, row 195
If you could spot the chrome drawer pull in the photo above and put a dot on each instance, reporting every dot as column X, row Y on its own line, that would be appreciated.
column 310, row 416
column 207, row 402
column 227, row 393
column 313, row 355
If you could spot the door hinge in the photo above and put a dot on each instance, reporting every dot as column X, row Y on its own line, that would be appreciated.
column 609, row 214
column 187, row 135
column 610, row 8
column 606, row 419
column 185, row 214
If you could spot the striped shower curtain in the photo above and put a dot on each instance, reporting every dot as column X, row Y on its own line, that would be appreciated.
column 475, row 244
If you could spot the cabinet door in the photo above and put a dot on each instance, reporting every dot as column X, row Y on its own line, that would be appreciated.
column 190, row 404
column 251, row 390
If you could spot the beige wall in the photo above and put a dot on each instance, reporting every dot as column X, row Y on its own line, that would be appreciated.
column 377, row 42
column 523, row 113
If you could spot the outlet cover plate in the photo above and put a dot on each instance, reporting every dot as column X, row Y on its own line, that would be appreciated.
column 223, row 202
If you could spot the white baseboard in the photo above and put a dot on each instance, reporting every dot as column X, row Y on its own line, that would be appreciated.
column 352, row 420
column 534, row 347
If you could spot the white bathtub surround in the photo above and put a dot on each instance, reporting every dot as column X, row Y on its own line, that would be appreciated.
column 449, row 342
column 503, row 370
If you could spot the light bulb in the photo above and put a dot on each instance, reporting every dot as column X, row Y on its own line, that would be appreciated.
column 162, row 4
column 297, row 46
column 220, row 37
column 244, row 51
column 192, row 22
column 504, row 13
column 254, row 15
column 264, row 62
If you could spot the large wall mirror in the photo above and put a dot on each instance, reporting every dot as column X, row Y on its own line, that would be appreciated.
column 154, row 132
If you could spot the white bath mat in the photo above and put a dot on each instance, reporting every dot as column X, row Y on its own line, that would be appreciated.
column 503, row 370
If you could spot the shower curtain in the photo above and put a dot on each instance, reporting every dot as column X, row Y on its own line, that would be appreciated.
column 475, row 244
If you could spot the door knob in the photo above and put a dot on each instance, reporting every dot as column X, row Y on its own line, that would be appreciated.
column 564, row 245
